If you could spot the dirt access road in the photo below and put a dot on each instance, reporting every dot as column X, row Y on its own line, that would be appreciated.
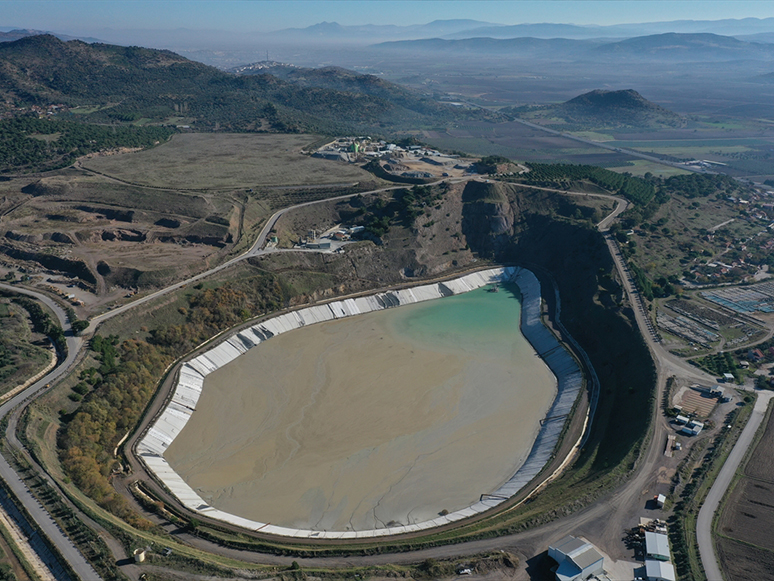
column 709, row 559
column 39, row 514
column 609, row 514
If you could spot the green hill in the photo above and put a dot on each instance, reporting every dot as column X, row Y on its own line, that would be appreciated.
column 606, row 109
column 339, row 79
column 126, row 84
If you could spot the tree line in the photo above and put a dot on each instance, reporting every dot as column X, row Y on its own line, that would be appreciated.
column 115, row 393
column 31, row 143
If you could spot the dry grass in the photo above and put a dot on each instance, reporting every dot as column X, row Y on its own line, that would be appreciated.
column 204, row 161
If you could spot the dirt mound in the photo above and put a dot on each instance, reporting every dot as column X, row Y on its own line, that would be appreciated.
column 48, row 187
column 123, row 235
column 168, row 223
column 108, row 213
column 60, row 237
column 28, row 238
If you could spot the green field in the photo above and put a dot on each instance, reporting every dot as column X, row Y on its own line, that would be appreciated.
column 207, row 161
column 593, row 135
column 642, row 166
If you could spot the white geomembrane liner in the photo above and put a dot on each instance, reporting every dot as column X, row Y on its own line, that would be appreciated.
column 191, row 379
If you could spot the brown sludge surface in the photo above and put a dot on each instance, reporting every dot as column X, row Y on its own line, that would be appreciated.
column 353, row 424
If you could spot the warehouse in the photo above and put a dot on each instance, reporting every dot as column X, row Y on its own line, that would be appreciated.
column 577, row 559
column 659, row 571
column 657, row 547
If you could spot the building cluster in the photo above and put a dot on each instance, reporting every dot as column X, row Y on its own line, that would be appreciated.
column 658, row 558
column 411, row 161
column 744, row 259
column 41, row 111
column 579, row 560
column 332, row 239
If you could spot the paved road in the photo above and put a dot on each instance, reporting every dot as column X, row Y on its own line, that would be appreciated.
column 704, row 523
column 47, row 524
column 603, row 145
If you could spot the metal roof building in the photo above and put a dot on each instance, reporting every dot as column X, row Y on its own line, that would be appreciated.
column 577, row 559
column 657, row 547
column 659, row 571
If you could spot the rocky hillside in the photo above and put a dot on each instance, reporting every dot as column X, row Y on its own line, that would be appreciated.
column 607, row 109
column 126, row 84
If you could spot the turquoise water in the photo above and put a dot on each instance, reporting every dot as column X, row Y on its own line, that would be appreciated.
column 478, row 321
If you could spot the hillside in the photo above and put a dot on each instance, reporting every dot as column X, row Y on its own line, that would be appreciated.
column 606, row 109
column 126, row 84
column 625, row 107
column 339, row 79
column 674, row 46
column 566, row 46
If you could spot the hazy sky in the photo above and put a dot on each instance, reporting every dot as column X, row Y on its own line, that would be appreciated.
column 83, row 17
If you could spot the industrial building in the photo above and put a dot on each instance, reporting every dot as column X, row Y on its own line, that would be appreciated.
column 693, row 428
column 578, row 560
column 657, row 547
column 659, row 570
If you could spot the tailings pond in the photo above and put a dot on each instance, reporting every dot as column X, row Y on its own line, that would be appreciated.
column 383, row 418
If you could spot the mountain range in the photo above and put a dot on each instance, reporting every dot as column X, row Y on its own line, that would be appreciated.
column 124, row 84
column 663, row 47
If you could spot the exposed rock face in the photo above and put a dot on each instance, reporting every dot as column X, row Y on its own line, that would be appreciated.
column 49, row 261
column 487, row 218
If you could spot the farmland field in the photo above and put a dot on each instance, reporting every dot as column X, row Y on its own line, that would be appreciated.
column 225, row 161
column 744, row 526
column 640, row 167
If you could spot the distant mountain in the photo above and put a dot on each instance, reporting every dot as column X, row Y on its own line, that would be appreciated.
column 606, row 109
column 625, row 107
column 126, row 84
column 17, row 33
column 544, row 30
column 766, row 37
column 669, row 47
column 333, row 31
column 339, row 79
column 768, row 78
column 680, row 47
column 554, row 48
column 728, row 27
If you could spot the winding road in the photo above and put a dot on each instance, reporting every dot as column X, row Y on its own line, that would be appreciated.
column 610, row 512
column 43, row 519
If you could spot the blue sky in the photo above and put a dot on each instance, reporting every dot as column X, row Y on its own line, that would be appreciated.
column 83, row 17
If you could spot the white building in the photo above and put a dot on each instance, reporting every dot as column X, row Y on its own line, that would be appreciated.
column 659, row 570
column 657, row 547
column 693, row 428
column 578, row 560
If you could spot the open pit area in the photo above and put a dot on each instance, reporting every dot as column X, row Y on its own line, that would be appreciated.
column 389, row 417
column 395, row 420
column 114, row 225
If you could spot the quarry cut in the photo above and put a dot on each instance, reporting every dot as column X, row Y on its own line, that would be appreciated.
column 392, row 421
